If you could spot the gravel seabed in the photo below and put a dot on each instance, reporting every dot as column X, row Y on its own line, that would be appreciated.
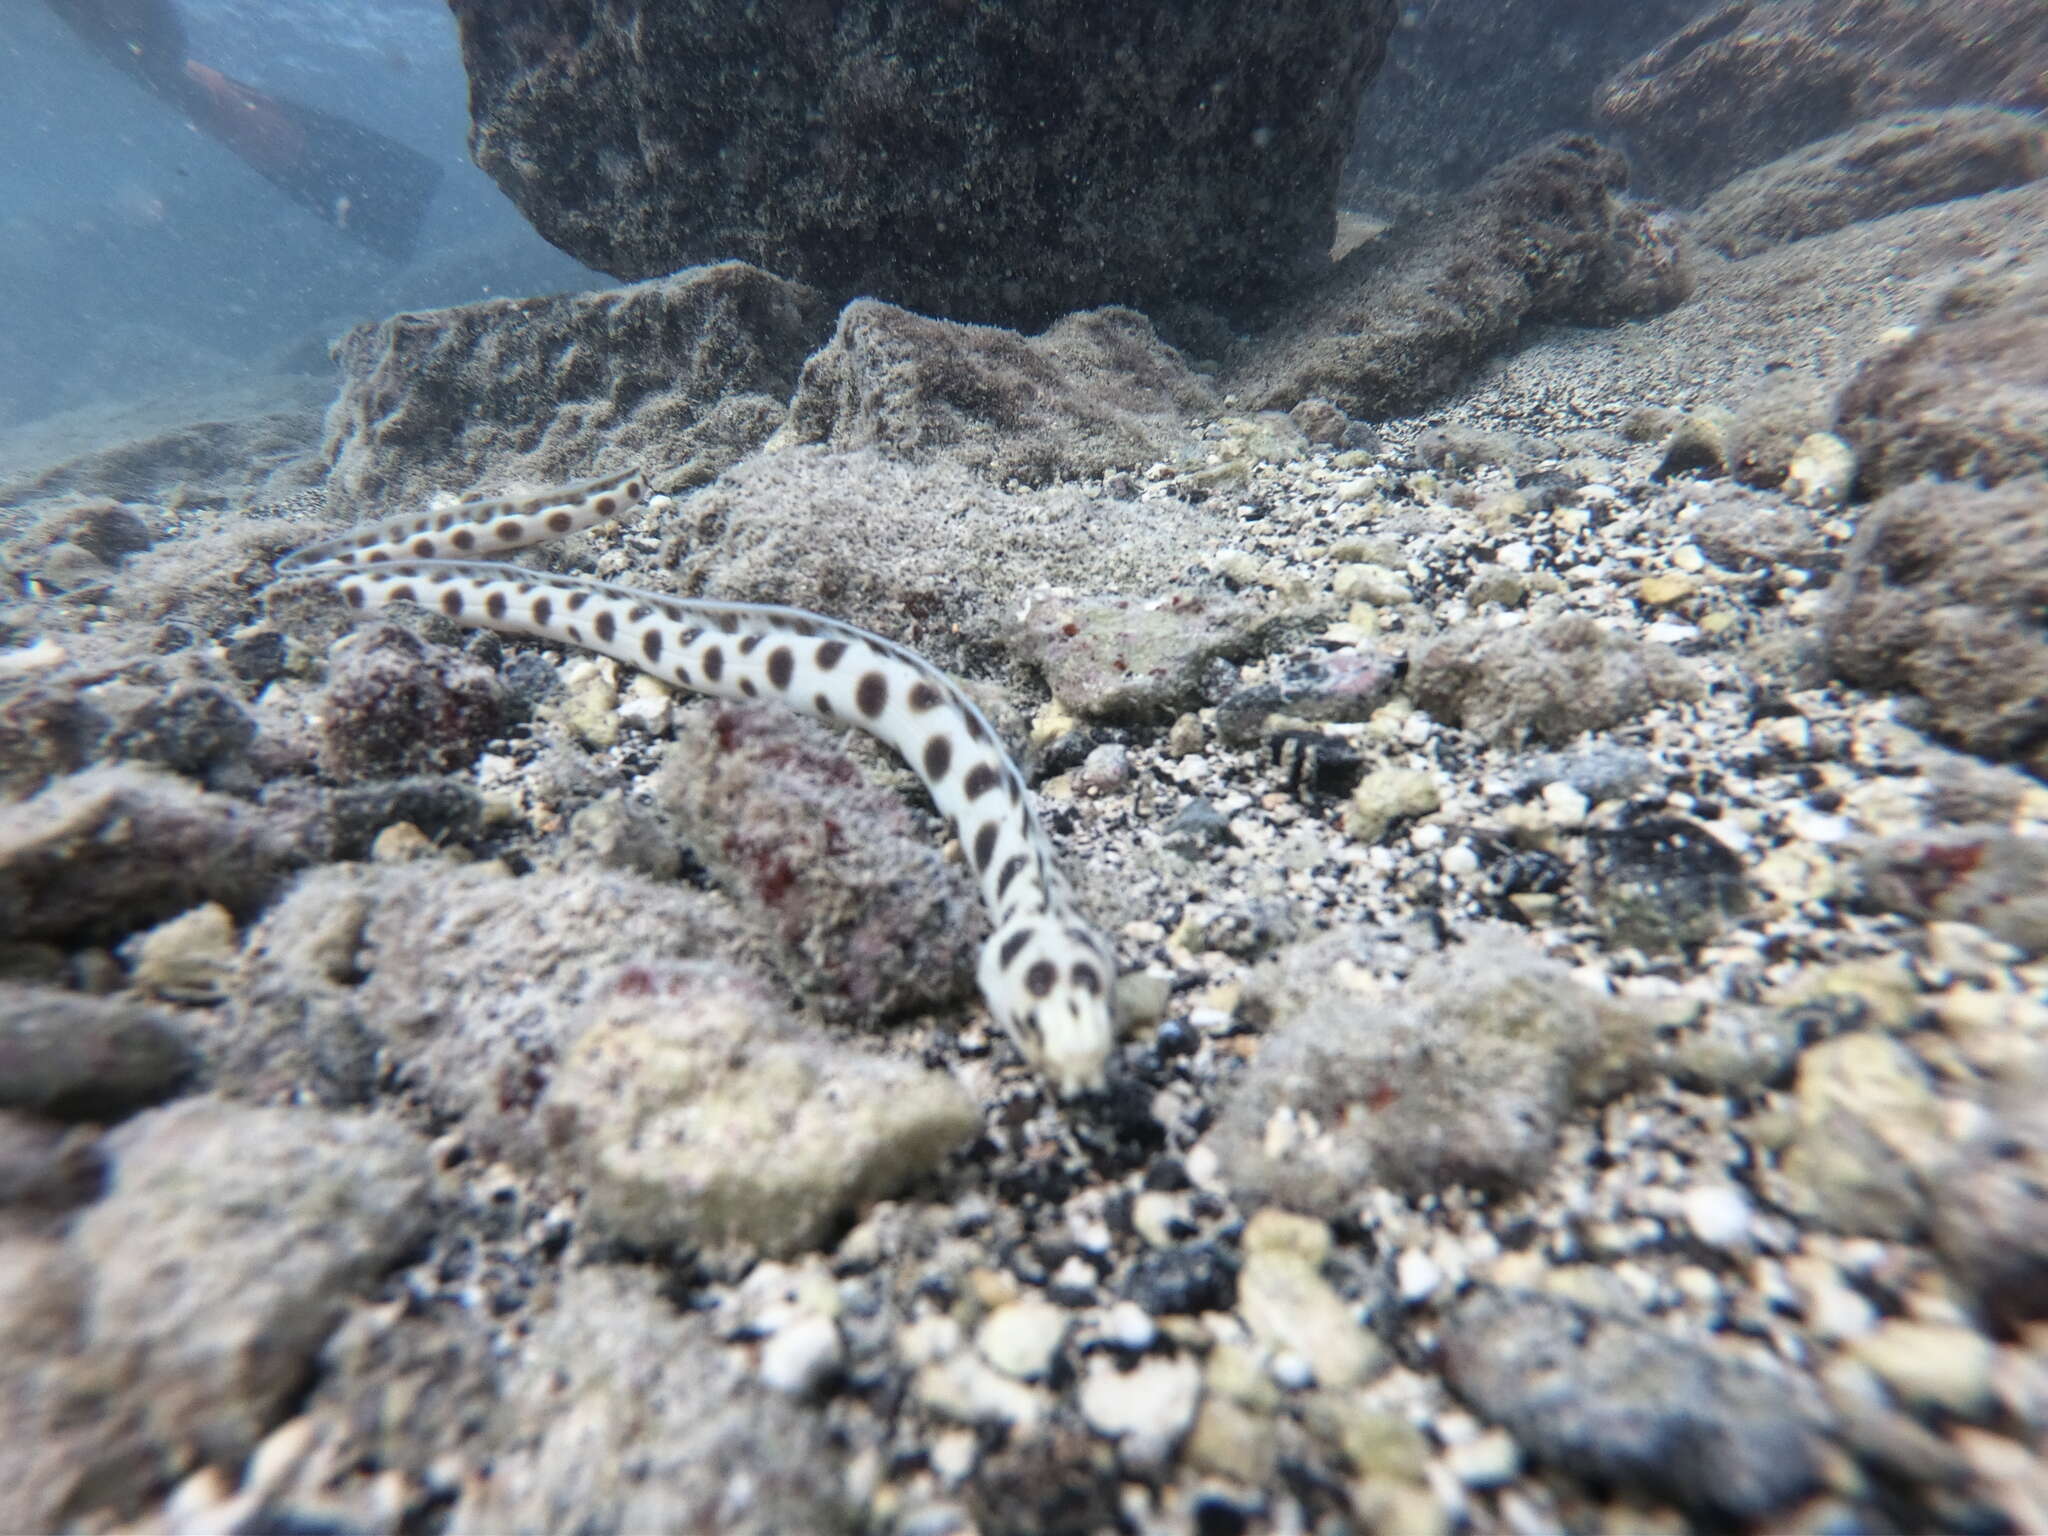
column 992, row 1352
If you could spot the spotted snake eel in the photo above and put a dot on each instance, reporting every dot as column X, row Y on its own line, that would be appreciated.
column 1045, row 973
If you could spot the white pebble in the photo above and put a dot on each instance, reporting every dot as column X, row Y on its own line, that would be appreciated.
column 1292, row 1372
column 1719, row 1215
column 1461, row 861
column 1817, row 826
column 1565, row 806
column 1022, row 1338
column 797, row 1359
column 1671, row 632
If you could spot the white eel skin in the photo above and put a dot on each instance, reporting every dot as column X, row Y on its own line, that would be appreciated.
column 1045, row 972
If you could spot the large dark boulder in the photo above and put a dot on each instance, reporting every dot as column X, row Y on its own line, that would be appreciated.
column 1002, row 162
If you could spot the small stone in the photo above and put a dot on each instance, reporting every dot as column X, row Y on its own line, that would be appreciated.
column 1023, row 1338
column 1663, row 883
column 401, row 843
column 800, row 1358
column 1161, row 1218
column 1490, row 1459
column 1417, row 1276
column 1663, row 591
column 1146, row 1409
column 1650, row 423
column 1127, row 1327
column 1385, row 796
column 1073, row 1283
column 1698, row 445
column 1719, row 1215
column 1373, row 584
column 1105, row 769
column 964, row 1388
column 1197, row 829
column 1231, row 1440
column 589, row 704
column 953, row 1455
column 1835, row 1310
column 647, row 706
column 1291, row 1372
column 621, row 833
column 1183, row 1281
column 1565, row 806
column 1142, row 998
column 1869, row 1128
column 1931, row 1365
column 1379, row 1445
column 1185, row 737
column 1823, row 471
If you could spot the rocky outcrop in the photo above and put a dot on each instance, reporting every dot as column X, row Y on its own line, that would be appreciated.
column 689, row 371
column 1548, row 236
column 1096, row 391
column 1754, row 80
column 1003, row 163
column 1909, row 160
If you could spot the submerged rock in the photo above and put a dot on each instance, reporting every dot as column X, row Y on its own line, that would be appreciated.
column 1544, row 682
column 1908, row 160
column 996, row 163
column 1547, row 236
column 1462, row 1076
column 1614, row 1400
column 111, row 850
column 625, row 1415
column 227, row 1249
column 71, row 1055
column 687, row 371
column 1941, row 594
column 1096, row 391
column 866, row 917
column 396, row 705
column 1663, row 883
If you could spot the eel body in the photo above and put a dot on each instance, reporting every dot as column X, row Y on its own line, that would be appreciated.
column 1045, row 973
